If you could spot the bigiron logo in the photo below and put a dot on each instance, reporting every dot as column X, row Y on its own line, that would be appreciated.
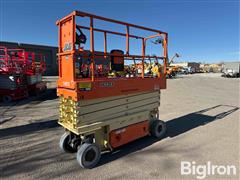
column 203, row 170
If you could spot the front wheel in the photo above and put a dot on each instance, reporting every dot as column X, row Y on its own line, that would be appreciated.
column 64, row 143
column 88, row 155
column 158, row 129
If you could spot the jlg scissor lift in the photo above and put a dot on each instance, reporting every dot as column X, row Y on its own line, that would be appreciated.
column 103, row 112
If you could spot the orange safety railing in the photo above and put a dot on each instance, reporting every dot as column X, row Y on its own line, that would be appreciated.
column 67, row 39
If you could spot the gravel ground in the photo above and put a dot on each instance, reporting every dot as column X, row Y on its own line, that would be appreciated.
column 202, row 116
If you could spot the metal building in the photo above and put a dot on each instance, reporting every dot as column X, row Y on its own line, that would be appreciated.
column 50, row 53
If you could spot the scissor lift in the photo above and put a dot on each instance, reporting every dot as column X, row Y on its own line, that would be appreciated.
column 101, row 112
column 35, row 67
column 20, row 73
column 12, row 80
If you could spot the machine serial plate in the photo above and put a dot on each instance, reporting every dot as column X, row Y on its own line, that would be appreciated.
column 106, row 84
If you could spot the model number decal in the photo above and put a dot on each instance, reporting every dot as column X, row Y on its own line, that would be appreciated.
column 106, row 84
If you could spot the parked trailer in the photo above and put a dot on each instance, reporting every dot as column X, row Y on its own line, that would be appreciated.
column 103, row 112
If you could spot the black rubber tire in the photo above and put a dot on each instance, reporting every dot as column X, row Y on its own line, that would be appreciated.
column 7, row 99
column 64, row 144
column 88, row 155
column 158, row 129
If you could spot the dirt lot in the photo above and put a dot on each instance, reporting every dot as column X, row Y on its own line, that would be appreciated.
column 202, row 115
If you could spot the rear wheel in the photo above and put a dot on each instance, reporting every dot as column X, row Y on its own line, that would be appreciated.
column 158, row 129
column 65, row 143
column 88, row 155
